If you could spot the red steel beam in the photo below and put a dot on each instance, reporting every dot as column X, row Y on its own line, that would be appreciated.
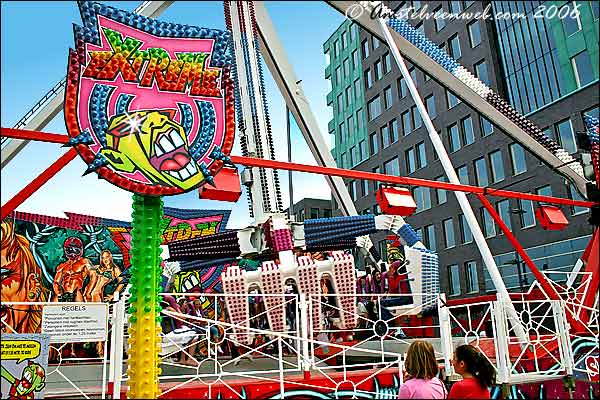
column 401, row 180
column 344, row 173
column 35, row 135
column 543, row 281
column 38, row 182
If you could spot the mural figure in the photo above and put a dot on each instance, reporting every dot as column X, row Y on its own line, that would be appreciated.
column 21, row 282
column 71, row 274
column 102, row 276
column 33, row 379
column 152, row 143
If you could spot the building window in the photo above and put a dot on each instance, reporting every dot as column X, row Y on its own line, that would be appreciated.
column 350, row 122
column 376, row 42
column 351, row 156
column 486, row 127
column 481, row 176
column 340, row 102
column 574, row 195
column 411, row 162
column 416, row 118
column 387, row 94
column 365, row 48
column 346, row 67
column 374, row 108
column 454, row 280
column 406, row 124
column 355, row 60
column 595, row 5
column 422, row 197
column 387, row 63
column 481, row 72
column 472, row 279
column 465, row 230
column 430, row 106
column 368, row 79
column 376, row 170
column 526, row 213
column 421, row 155
column 449, row 239
column 467, row 125
column 327, row 213
column 355, row 155
column 301, row 215
column 420, row 28
column 474, row 33
column 582, row 68
column 571, row 21
column 327, row 58
column 504, row 213
column 544, row 190
column 454, row 138
column 402, row 89
column 566, row 136
column 517, row 158
column 442, row 195
column 455, row 7
column 362, row 148
column 429, row 239
column 338, row 75
column 349, row 95
column 391, row 167
column 336, row 49
column 463, row 174
column 365, row 185
column 359, row 119
column 451, row 99
column 374, row 144
column 343, row 133
column 489, row 227
column 454, row 46
column 314, row 213
column 394, row 130
column 497, row 166
column 440, row 23
column 357, row 89
column 385, row 136
column 378, row 71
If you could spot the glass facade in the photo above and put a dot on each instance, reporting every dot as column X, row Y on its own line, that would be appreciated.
column 557, row 257
column 545, row 59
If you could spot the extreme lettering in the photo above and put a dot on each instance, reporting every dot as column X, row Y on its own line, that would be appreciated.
column 185, row 73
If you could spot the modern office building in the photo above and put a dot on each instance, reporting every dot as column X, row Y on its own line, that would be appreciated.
column 346, row 98
column 562, row 85
column 309, row 208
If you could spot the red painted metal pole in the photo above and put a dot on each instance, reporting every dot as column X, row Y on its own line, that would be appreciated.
column 545, row 285
column 38, row 182
column 401, row 180
column 344, row 173
column 35, row 135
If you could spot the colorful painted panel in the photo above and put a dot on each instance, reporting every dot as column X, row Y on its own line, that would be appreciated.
column 80, row 258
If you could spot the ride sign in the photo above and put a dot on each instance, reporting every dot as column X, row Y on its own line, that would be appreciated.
column 70, row 323
column 149, row 105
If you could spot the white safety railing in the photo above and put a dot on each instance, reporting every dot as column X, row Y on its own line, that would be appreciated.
column 72, row 372
column 544, row 353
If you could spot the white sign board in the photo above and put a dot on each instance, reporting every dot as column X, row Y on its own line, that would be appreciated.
column 69, row 322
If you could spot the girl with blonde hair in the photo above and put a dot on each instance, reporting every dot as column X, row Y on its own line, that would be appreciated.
column 421, row 370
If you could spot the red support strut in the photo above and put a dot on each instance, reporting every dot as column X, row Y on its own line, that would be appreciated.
column 38, row 182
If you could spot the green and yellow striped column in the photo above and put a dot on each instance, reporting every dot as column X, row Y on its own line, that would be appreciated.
column 144, row 322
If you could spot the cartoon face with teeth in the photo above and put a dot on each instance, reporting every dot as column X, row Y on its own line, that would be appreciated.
column 33, row 379
column 152, row 143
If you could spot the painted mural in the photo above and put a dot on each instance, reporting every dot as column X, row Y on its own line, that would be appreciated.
column 82, row 258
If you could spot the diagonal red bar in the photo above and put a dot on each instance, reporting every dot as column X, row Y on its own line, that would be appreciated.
column 34, row 135
column 38, row 182
column 401, row 180
column 545, row 285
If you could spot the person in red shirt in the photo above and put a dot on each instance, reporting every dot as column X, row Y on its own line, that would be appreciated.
column 477, row 372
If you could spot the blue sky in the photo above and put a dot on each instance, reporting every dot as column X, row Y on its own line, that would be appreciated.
column 36, row 37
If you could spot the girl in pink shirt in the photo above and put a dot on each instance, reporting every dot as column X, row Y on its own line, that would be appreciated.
column 421, row 371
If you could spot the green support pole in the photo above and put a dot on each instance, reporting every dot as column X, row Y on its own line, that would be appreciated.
column 144, row 322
